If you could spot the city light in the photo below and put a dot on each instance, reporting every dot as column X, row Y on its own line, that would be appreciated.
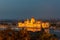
column 33, row 25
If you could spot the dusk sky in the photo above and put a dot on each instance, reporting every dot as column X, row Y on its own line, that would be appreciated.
column 21, row 9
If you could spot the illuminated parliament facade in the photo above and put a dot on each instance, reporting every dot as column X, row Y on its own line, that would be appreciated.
column 33, row 25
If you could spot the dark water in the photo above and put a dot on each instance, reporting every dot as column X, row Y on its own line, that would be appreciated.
column 56, row 32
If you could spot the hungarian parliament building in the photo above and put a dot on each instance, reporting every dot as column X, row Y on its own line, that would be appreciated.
column 33, row 24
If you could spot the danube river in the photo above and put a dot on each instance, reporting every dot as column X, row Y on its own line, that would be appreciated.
column 56, row 32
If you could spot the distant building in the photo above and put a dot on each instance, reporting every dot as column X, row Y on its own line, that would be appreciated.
column 33, row 25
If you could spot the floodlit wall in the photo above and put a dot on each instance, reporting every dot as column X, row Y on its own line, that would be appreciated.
column 33, row 25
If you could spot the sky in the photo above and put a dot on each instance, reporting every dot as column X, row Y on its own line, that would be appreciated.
column 22, row 9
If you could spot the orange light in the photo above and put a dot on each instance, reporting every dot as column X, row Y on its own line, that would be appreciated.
column 33, row 25
column 45, row 25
